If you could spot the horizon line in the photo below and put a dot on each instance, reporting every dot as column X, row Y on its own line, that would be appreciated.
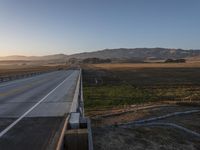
column 22, row 55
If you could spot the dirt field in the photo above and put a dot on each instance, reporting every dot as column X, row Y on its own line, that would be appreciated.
column 143, row 138
column 105, row 87
column 122, row 93
column 125, row 66
column 10, row 70
column 108, row 135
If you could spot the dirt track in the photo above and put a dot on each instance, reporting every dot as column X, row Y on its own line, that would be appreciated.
column 147, row 137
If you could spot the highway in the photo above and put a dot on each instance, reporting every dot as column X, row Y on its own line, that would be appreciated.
column 32, row 109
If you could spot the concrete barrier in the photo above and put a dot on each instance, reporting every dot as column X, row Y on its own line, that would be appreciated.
column 78, row 134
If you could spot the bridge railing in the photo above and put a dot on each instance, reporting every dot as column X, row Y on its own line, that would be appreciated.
column 77, row 123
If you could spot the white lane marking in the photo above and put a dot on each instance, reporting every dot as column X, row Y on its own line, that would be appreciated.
column 20, row 118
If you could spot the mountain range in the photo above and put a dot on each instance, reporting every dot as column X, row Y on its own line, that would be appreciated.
column 121, row 54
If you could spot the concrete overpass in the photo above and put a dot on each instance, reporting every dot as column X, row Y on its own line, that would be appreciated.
column 44, row 112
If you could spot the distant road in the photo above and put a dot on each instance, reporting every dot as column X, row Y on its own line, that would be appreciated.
column 32, row 109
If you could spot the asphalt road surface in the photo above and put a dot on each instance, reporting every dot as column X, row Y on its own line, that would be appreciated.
column 32, row 110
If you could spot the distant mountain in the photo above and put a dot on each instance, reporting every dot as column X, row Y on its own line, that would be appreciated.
column 139, row 54
column 54, row 57
column 118, row 54
column 15, row 57
column 34, row 58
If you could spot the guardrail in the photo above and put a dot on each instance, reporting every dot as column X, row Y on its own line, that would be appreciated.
column 21, row 76
column 76, row 133
column 76, row 98
column 78, row 103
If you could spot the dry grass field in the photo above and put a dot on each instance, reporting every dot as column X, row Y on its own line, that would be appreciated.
column 107, row 85
column 117, row 93
column 11, row 69
column 125, row 66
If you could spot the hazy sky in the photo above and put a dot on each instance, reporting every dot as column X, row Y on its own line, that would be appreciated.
column 40, row 27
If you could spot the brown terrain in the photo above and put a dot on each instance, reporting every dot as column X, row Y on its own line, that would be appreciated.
column 117, row 95
column 127, row 66
column 12, row 68
column 164, row 89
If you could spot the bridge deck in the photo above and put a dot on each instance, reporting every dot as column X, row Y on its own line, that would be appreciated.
column 40, row 104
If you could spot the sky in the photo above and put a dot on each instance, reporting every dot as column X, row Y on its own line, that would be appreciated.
column 43, row 27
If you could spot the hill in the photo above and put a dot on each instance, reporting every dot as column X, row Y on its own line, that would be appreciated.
column 47, row 57
column 119, row 54
column 139, row 54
